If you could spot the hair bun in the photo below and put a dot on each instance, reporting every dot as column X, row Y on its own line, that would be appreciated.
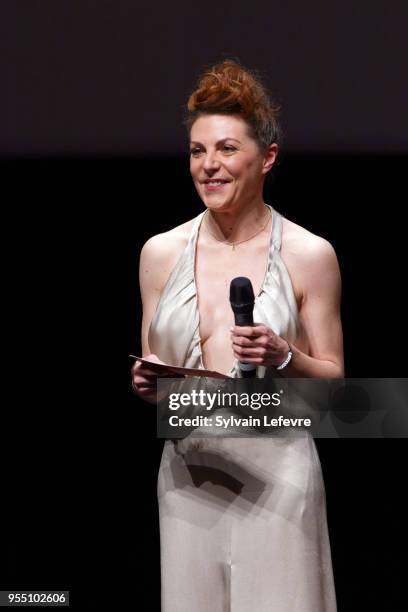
column 228, row 87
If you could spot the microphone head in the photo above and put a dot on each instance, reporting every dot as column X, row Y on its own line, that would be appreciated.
column 242, row 300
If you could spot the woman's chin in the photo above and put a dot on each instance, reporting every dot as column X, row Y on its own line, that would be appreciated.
column 217, row 204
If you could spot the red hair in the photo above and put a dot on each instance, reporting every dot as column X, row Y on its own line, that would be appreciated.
column 229, row 88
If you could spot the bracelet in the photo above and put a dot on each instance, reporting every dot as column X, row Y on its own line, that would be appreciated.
column 287, row 360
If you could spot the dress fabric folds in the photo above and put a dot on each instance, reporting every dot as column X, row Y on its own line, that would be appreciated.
column 243, row 525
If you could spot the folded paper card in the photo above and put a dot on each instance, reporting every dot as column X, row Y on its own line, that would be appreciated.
column 168, row 369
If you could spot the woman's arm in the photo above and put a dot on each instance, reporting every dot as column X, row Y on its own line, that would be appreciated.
column 320, row 315
column 151, row 283
column 144, row 381
column 157, row 258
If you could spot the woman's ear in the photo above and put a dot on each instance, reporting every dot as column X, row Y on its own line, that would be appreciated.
column 270, row 157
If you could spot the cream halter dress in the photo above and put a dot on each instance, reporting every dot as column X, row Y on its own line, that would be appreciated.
column 243, row 524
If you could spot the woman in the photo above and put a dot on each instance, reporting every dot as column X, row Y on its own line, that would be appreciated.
column 231, row 540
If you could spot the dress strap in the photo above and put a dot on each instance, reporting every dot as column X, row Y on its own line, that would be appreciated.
column 276, row 229
column 194, row 229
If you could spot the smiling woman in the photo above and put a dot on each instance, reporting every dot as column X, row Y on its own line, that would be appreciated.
column 226, row 170
column 261, row 543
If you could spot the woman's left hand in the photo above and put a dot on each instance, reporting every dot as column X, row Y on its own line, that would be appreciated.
column 258, row 344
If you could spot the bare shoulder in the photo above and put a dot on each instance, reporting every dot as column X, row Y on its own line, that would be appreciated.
column 309, row 258
column 161, row 252
column 300, row 243
column 167, row 243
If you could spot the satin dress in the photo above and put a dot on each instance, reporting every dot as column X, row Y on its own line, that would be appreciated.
column 243, row 525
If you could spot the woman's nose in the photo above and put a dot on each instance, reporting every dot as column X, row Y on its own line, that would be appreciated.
column 210, row 161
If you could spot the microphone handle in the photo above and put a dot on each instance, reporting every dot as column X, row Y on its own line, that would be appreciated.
column 248, row 370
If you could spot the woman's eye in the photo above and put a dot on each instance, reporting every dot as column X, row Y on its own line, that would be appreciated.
column 227, row 148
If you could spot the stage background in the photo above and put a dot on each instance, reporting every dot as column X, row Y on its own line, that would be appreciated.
column 94, row 163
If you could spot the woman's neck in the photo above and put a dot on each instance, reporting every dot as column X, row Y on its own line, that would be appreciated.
column 239, row 224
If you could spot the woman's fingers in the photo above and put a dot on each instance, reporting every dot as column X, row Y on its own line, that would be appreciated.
column 144, row 386
column 142, row 369
column 144, row 379
column 144, row 376
column 146, row 390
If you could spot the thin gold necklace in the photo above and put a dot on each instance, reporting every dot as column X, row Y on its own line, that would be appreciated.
column 233, row 244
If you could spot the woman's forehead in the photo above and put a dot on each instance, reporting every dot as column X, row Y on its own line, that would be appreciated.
column 218, row 127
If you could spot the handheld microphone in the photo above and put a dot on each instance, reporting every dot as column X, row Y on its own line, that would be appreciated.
column 242, row 301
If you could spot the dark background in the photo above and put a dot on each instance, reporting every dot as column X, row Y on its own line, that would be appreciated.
column 113, row 76
column 93, row 164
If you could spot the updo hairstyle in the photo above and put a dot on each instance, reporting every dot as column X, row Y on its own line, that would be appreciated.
column 229, row 88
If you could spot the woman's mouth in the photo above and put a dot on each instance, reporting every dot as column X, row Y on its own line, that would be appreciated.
column 214, row 185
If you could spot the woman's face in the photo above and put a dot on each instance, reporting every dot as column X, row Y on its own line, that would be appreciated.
column 226, row 163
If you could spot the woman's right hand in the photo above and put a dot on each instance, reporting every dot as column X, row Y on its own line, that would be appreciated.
column 144, row 380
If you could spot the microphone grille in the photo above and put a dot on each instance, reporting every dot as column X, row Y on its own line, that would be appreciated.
column 241, row 291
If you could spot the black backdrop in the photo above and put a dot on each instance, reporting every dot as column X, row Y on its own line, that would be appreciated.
column 113, row 76
column 79, row 451
column 79, row 454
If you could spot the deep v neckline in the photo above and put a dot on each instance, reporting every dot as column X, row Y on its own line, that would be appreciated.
column 197, row 310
